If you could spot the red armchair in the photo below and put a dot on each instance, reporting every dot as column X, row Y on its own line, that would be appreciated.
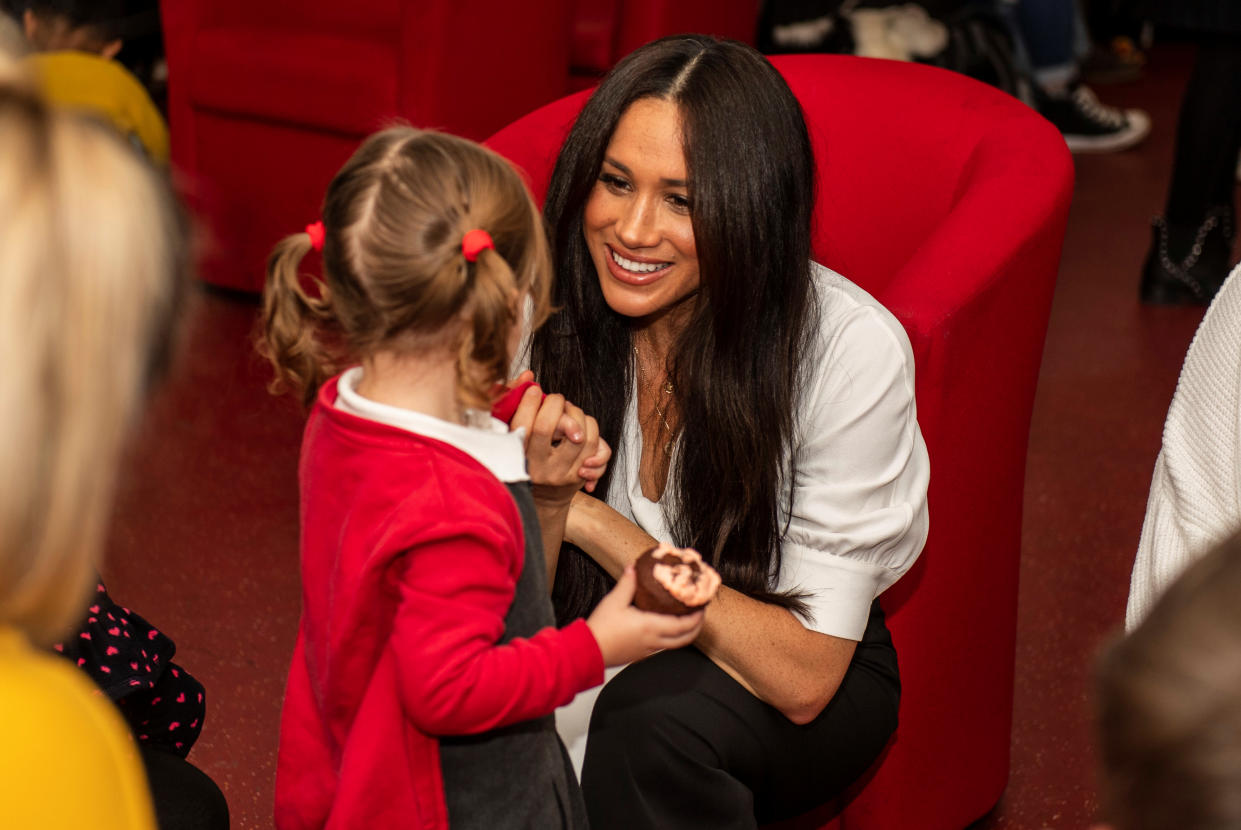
column 947, row 200
column 604, row 31
column 267, row 99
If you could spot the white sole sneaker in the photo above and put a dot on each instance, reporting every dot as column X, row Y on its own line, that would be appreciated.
column 1137, row 129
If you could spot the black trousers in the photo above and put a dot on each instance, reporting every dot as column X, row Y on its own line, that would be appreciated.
column 1208, row 136
column 676, row 743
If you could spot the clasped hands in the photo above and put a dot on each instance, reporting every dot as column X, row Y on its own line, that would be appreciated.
column 564, row 452
column 565, row 455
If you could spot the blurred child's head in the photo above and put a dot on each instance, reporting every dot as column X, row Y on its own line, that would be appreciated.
column 1170, row 706
column 92, row 267
column 396, row 278
column 96, row 26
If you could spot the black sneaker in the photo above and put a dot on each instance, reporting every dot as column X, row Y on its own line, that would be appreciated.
column 1090, row 126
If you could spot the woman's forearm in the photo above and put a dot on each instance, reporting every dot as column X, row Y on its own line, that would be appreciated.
column 766, row 649
column 604, row 534
column 552, row 518
column 763, row 647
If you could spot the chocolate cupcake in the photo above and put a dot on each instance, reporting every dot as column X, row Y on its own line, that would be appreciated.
column 674, row 580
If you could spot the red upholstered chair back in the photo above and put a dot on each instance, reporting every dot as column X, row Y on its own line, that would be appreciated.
column 268, row 98
column 947, row 200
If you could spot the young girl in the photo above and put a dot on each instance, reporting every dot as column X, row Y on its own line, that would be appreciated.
column 427, row 663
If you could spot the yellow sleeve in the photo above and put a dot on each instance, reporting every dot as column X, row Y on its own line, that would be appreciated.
column 68, row 760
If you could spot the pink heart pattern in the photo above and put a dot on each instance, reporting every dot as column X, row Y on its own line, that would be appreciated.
column 164, row 704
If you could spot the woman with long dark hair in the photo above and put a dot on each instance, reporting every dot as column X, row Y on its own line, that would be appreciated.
column 761, row 409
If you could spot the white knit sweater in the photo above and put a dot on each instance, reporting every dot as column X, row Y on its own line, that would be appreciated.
column 1195, row 495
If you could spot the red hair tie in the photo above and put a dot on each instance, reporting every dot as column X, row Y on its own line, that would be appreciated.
column 475, row 242
column 316, row 233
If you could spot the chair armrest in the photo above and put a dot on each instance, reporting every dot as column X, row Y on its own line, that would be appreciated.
column 975, row 301
column 978, row 240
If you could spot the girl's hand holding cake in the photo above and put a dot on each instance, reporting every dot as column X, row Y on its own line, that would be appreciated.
column 674, row 580
column 626, row 633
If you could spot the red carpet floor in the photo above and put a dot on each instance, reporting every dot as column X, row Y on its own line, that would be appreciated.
column 205, row 543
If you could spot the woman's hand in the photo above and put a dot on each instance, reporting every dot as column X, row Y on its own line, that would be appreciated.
column 625, row 633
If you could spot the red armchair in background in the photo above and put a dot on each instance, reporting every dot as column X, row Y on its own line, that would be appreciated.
column 267, row 99
column 604, row 31
column 956, row 225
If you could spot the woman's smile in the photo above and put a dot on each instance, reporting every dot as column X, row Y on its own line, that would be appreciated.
column 635, row 270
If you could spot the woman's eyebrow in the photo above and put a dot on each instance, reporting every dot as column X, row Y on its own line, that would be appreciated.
column 626, row 171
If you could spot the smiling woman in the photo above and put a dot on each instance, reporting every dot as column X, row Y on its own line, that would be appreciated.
column 762, row 411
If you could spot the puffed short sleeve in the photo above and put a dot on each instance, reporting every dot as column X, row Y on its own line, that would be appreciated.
column 859, row 513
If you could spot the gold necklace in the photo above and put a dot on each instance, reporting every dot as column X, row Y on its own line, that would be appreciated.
column 660, row 408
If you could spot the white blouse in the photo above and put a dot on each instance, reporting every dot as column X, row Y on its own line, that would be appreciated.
column 859, row 512
column 859, row 516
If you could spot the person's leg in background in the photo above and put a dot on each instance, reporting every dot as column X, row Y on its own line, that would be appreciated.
column 1049, row 33
column 1118, row 37
column 1054, row 40
column 1191, row 246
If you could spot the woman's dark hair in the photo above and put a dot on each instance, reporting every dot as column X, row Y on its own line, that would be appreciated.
column 736, row 366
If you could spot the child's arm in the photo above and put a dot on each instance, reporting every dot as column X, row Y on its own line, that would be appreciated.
column 456, row 588
column 454, row 679
column 554, row 467
column 558, row 468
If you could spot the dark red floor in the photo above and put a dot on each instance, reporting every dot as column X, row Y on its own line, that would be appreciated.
column 1109, row 370
column 206, row 535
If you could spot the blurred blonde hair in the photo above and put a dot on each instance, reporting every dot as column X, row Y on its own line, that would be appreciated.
column 395, row 275
column 92, row 272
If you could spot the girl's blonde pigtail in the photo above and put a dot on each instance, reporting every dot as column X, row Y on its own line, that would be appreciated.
column 296, row 326
column 490, row 313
